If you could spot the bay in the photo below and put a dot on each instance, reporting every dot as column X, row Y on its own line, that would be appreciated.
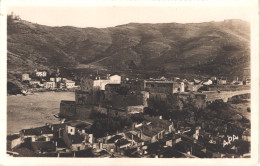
column 35, row 110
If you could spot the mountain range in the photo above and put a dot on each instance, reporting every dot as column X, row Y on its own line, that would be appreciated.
column 210, row 48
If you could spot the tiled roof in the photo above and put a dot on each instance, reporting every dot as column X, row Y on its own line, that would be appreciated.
column 43, row 129
column 12, row 137
column 115, row 138
column 38, row 131
column 135, row 138
column 152, row 131
column 122, row 142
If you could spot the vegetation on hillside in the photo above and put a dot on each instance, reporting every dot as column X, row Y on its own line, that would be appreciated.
column 214, row 48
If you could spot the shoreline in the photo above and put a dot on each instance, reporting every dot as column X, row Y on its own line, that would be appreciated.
column 36, row 91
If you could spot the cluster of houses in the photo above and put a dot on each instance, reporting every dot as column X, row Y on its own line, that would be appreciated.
column 74, row 136
column 153, row 137
column 41, row 79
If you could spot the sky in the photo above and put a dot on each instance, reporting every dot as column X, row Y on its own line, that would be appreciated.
column 109, row 16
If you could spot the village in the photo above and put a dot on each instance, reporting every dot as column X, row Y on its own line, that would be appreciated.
column 41, row 81
column 115, row 116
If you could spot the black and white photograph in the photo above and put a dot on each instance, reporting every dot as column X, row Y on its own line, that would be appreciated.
column 118, row 81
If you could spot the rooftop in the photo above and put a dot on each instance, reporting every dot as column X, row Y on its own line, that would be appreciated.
column 122, row 142
column 37, row 131
column 114, row 138
column 47, row 129
column 135, row 138
column 12, row 137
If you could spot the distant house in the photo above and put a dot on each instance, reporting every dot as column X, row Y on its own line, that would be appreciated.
column 213, row 78
column 49, row 85
column 61, row 85
column 209, row 82
column 52, row 79
column 92, row 83
column 114, row 139
column 123, row 143
column 37, row 134
column 114, row 79
column 26, row 77
column 77, row 142
column 44, row 133
column 74, row 141
column 134, row 139
column 69, row 84
column 13, row 141
column 135, row 109
column 41, row 73
column 154, row 133
column 35, row 83
column 235, row 82
column 101, row 83
column 222, row 82
column 154, row 130
column 58, row 79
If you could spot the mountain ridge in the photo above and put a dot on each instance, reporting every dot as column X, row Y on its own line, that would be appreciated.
column 212, row 48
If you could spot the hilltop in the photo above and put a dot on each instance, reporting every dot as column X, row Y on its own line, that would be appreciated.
column 210, row 48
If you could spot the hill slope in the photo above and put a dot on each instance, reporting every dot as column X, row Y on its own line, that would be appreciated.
column 214, row 48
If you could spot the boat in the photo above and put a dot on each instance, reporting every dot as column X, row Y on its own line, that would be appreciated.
column 57, row 115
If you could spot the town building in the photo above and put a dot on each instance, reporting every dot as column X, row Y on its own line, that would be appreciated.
column 49, row 85
column 35, row 83
column 69, row 84
column 41, row 74
column 58, row 79
column 222, row 81
column 52, row 79
column 96, row 83
column 13, row 141
column 26, row 77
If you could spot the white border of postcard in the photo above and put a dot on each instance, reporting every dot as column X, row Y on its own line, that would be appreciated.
column 252, row 8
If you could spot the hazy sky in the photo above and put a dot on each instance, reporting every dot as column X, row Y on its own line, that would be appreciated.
column 111, row 16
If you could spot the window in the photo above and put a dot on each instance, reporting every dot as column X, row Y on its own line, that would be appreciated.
column 71, row 130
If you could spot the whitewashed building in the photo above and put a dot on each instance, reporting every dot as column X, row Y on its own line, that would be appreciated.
column 49, row 85
column 41, row 73
column 26, row 77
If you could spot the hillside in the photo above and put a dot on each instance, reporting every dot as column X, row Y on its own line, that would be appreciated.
column 212, row 48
